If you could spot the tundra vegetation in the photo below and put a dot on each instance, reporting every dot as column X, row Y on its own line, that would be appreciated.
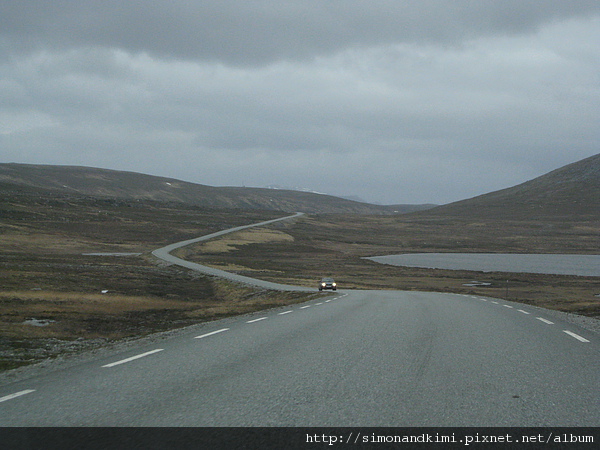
column 77, row 273
column 336, row 245
column 76, row 269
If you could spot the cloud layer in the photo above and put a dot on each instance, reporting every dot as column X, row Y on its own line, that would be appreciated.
column 397, row 102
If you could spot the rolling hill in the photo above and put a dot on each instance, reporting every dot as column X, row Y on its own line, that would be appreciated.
column 570, row 192
column 101, row 183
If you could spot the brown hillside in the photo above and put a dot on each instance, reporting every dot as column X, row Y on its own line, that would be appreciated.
column 102, row 183
column 572, row 192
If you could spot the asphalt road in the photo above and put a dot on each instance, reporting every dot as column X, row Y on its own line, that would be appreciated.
column 356, row 358
column 164, row 253
column 362, row 358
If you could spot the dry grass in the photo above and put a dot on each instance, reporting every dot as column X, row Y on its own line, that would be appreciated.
column 242, row 299
column 254, row 236
column 66, row 315
column 335, row 246
column 45, row 275
column 47, row 278
column 44, row 323
column 232, row 242
column 20, row 306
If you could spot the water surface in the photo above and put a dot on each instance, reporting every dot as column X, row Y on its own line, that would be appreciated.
column 583, row 265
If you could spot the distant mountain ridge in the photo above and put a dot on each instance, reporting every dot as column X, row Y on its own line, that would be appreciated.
column 354, row 198
column 570, row 191
column 104, row 183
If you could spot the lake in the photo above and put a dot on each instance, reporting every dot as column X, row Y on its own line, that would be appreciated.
column 583, row 265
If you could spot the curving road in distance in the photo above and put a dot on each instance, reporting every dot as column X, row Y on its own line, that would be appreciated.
column 356, row 358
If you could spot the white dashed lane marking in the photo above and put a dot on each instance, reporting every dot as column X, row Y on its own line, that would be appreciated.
column 16, row 394
column 285, row 312
column 576, row 336
column 211, row 333
column 123, row 361
column 257, row 320
column 545, row 320
column 541, row 319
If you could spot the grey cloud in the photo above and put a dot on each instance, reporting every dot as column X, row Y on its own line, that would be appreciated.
column 260, row 32
column 429, row 101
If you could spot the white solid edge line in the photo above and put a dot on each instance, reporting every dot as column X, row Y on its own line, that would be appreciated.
column 285, row 312
column 545, row 321
column 257, row 320
column 123, row 361
column 576, row 336
column 16, row 394
column 211, row 333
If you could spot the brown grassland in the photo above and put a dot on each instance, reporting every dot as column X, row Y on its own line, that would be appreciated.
column 336, row 246
column 77, row 273
column 57, row 297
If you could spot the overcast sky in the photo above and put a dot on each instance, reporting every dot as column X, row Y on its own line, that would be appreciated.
column 394, row 101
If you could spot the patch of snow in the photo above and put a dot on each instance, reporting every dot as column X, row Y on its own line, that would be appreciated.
column 38, row 322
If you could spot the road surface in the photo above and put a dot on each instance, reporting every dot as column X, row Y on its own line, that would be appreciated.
column 164, row 253
column 354, row 358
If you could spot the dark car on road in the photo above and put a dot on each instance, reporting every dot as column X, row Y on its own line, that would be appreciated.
column 327, row 283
